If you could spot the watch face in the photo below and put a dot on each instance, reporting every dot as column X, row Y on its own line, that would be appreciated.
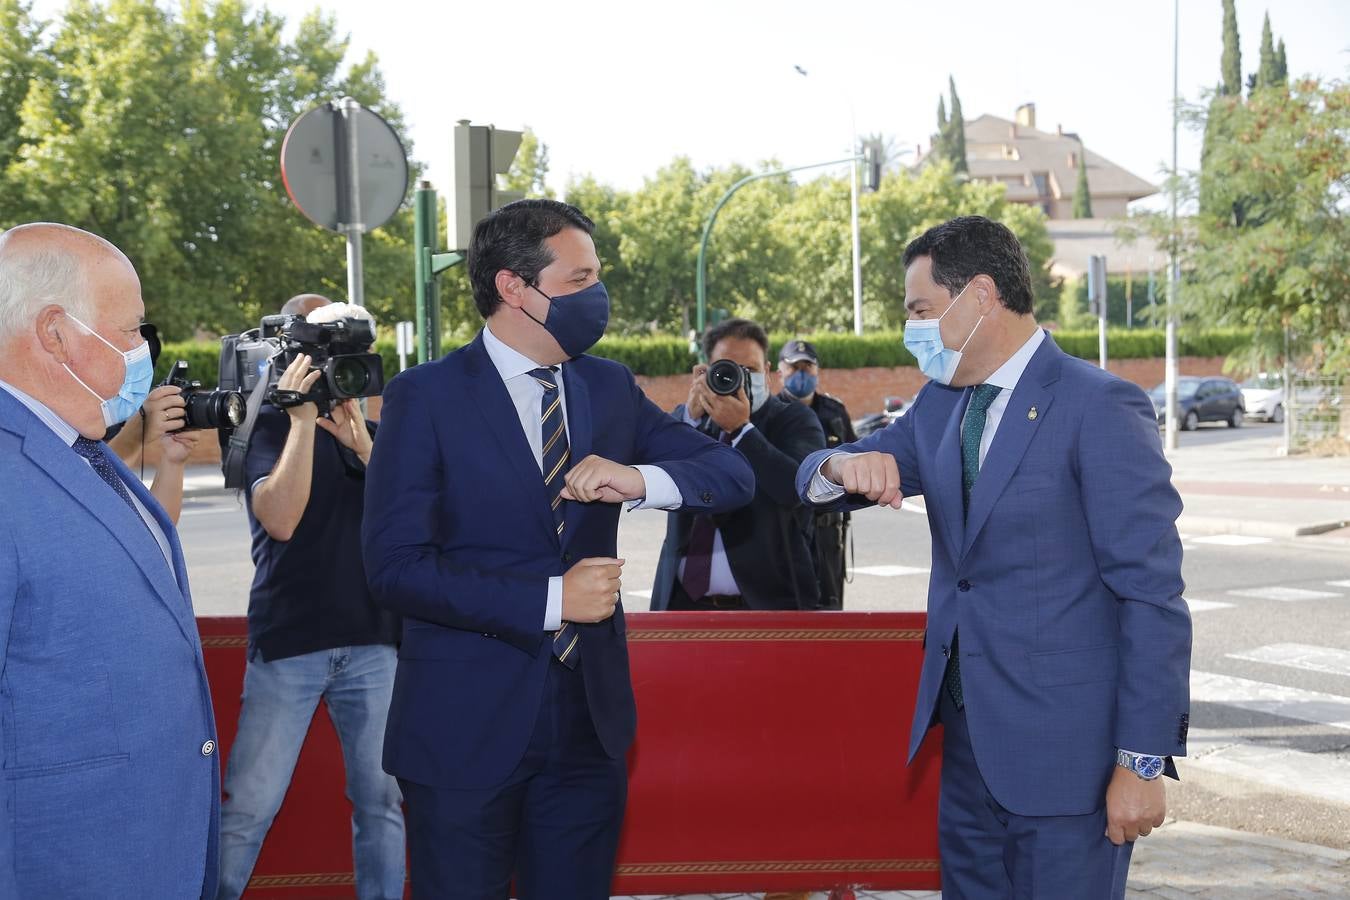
column 1149, row 766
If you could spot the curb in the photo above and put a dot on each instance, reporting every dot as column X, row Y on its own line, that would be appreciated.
column 1252, row 528
column 1261, row 840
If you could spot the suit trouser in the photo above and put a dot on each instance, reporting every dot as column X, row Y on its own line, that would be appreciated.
column 989, row 853
column 554, row 822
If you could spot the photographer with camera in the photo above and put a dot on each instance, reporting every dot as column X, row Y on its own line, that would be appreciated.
column 158, row 421
column 758, row 557
column 314, row 631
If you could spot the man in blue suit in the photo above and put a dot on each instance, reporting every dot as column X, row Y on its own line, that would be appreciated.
column 491, row 516
column 1058, row 645
column 108, row 777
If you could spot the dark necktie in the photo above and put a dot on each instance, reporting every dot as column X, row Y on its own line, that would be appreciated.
column 972, row 432
column 698, row 558
column 557, row 457
column 97, row 456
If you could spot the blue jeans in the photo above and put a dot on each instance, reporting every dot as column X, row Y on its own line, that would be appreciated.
column 278, row 704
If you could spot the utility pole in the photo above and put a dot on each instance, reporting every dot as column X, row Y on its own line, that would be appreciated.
column 1173, row 273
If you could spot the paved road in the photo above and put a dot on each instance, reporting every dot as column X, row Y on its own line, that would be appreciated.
column 1270, row 724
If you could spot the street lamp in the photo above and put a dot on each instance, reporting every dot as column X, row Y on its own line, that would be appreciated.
column 853, row 204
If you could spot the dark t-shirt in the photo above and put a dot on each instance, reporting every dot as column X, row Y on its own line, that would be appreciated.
column 310, row 593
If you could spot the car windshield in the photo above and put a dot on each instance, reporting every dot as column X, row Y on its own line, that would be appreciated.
column 1263, row 382
column 1186, row 388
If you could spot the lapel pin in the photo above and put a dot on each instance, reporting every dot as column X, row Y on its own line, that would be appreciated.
column 1031, row 414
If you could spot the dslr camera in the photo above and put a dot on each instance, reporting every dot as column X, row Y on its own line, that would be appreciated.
column 727, row 378
column 340, row 350
column 220, row 409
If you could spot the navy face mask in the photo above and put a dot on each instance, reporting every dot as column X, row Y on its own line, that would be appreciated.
column 578, row 320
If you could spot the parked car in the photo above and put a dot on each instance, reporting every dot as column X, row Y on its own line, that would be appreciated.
column 894, row 408
column 1263, row 397
column 1202, row 399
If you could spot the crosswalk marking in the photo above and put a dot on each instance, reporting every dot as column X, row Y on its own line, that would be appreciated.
column 1273, row 699
column 1231, row 540
column 645, row 595
column 1198, row 606
column 1284, row 594
column 1317, row 775
column 890, row 571
column 1328, row 660
column 1345, row 584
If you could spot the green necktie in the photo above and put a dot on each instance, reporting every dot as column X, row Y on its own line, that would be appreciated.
column 972, row 431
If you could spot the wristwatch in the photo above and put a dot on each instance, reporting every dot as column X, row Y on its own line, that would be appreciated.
column 1146, row 767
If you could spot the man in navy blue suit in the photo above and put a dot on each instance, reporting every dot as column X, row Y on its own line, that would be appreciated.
column 1057, row 656
column 492, row 506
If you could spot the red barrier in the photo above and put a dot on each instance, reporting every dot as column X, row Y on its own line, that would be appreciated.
column 770, row 756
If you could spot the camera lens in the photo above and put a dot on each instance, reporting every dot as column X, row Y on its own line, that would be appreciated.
column 232, row 409
column 725, row 377
column 350, row 376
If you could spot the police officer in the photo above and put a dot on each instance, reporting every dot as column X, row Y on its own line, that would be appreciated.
column 799, row 367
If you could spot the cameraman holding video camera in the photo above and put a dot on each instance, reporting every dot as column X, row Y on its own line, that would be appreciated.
column 314, row 631
column 758, row 557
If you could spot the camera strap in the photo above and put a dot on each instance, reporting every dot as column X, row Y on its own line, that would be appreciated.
column 232, row 462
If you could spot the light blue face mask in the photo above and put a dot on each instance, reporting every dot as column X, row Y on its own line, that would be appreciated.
column 923, row 338
column 135, row 382
column 759, row 391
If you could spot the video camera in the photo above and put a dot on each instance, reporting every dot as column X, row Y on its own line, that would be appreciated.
column 253, row 362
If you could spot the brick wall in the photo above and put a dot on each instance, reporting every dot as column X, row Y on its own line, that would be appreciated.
column 862, row 390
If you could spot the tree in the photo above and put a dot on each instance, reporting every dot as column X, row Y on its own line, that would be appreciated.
column 529, row 170
column 1286, row 261
column 1267, row 73
column 940, row 149
column 19, row 69
column 957, row 130
column 1082, row 199
column 1281, row 65
column 1230, row 66
column 161, row 131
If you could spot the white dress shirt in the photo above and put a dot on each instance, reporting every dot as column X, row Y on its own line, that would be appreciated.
column 527, row 394
column 720, row 578
column 67, row 433
column 1007, row 375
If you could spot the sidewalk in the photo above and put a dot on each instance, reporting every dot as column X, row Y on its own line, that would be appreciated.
column 1185, row 861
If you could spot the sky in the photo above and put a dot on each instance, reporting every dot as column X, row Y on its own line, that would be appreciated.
column 619, row 89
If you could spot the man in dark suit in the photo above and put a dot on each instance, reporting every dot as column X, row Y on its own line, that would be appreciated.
column 1058, row 646
column 759, row 556
column 492, row 506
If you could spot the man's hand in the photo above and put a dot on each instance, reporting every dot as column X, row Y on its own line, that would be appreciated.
column 164, row 410
column 874, row 475
column 591, row 589
column 730, row 411
column 596, row 478
column 349, row 427
column 698, row 389
column 298, row 377
column 1134, row 807
column 174, row 449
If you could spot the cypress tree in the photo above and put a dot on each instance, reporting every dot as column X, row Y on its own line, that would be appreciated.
column 1082, row 198
column 1267, row 70
column 957, row 129
column 1230, row 67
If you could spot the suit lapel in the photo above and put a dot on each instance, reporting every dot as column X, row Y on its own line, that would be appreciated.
column 579, row 437
column 74, row 475
column 1015, row 431
column 494, row 403
column 948, row 470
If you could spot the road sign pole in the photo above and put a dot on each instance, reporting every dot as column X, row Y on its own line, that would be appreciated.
column 425, row 229
column 350, row 177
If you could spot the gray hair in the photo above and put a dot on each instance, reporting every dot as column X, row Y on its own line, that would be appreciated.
column 31, row 279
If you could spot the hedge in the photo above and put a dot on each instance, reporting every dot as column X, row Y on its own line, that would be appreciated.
column 666, row 355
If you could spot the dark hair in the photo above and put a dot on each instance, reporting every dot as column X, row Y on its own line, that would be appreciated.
column 973, row 245
column 739, row 329
column 512, row 238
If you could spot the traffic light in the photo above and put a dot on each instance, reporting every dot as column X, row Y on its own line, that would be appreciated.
column 872, row 162
column 482, row 153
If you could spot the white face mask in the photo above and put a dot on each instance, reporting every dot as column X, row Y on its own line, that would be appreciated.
column 923, row 338
column 759, row 391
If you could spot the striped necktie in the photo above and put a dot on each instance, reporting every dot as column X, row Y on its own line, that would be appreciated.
column 557, row 459
column 972, row 433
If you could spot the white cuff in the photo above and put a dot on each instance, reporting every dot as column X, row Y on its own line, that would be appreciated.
column 822, row 489
column 553, row 612
column 745, row 429
column 662, row 492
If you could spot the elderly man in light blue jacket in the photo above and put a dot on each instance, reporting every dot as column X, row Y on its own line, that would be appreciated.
column 110, row 784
